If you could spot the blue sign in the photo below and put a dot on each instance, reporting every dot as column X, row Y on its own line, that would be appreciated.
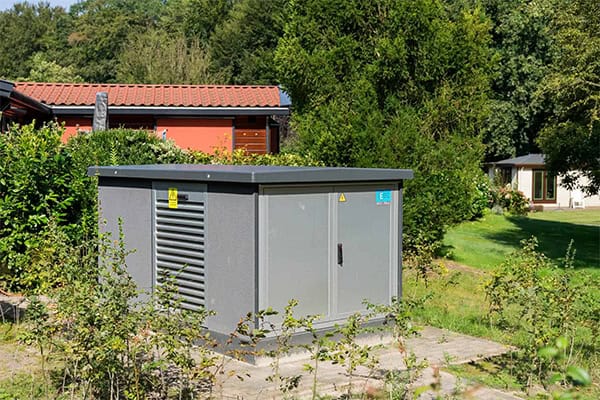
column 383, row 197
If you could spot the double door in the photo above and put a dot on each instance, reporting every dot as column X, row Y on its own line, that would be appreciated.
column 329, row 247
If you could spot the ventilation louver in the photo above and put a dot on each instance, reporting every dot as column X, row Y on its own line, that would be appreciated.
column 179, row 243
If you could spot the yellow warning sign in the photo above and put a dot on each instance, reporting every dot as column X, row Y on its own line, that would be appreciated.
column 172, row 197
column 342, row 198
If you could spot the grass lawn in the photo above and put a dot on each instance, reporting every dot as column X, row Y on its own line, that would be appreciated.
column 458, row 298
column 485, row 243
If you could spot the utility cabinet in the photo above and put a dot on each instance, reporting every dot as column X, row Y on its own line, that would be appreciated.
column 239, row 239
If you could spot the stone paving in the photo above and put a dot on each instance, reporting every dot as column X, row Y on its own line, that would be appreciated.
column 436, row 346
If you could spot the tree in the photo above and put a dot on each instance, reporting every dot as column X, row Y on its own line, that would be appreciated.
column 243, row 46
column 196, row 19
column 524, row 52
column 157, row 57
column 101, row 28
column 49, row 71
column 399, row 84
column 27, row 30
column 570, row 139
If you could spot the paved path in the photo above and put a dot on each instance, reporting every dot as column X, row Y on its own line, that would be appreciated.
column 436, row 346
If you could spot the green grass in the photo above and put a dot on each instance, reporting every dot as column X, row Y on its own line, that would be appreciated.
column 458, row 299
column 485, row 243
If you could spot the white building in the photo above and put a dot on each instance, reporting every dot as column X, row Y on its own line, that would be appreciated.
column 528, row 174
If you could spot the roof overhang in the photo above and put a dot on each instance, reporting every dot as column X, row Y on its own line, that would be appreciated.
column 172, row 111
column 16, row 104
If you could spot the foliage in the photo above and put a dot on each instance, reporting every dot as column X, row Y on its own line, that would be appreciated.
column 571, row 137
column 113, row 346
column 531, row 294
column 243, row 46
column 100, row 30
column 569, row 376
column 509, row 199
column 523, row 51
column 393, row 84
column 43, row 70
column 34, row 192
column 167, row 59
column 481, row 199
column 45, row 192
column 31, row 31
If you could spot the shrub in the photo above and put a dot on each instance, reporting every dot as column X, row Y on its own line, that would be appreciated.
column 45, row 191
column 111, row 344
column 531, row 295
column 35, row 190
column 509, row 199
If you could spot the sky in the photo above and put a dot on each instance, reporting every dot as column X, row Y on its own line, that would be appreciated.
column 7, row 4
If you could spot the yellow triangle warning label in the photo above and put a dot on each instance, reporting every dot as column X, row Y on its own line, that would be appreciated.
column 342, row 198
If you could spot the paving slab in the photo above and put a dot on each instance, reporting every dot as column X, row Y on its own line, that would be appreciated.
column 435, row 346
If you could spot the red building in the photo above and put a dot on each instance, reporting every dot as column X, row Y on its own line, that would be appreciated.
column 200, row 117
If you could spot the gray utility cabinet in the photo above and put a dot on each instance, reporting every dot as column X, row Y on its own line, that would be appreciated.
column 239, row 239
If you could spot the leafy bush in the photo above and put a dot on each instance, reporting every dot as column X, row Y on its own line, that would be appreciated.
column 110, row 343
column 35, row 190
column 509, row 199
column 45, row 191
column 481, row 198
column 540, row 301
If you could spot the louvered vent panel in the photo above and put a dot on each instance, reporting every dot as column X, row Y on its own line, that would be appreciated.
column 179, row 239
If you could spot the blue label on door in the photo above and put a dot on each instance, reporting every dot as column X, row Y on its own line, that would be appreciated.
column 383, row 197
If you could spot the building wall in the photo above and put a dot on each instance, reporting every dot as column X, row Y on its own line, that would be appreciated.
column 252, row 133
column 522, row 179
column 563, row 195
column 74, row 125
column 203, row 134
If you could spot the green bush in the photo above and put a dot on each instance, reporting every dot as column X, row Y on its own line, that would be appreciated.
column 537, row 301
column 45, row 191
column 509, row 199
column 35, row 190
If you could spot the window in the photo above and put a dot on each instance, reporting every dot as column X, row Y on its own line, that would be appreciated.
column 544, row 186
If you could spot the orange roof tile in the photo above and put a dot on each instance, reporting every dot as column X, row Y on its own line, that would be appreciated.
column 84, row 94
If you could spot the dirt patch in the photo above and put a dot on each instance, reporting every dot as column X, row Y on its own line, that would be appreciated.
column 454, row 266
column 17, row 359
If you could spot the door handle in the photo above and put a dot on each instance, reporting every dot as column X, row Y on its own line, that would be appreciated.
column 340, row 255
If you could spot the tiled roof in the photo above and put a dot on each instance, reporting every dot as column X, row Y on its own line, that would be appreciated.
column 84, row 94
column 529, row 159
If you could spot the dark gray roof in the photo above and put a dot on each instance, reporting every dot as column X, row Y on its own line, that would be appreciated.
column 250, row 173
column 529, row 159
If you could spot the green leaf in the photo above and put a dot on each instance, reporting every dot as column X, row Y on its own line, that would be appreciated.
column 548, row 352
column 555, row 378
column 562, row 343
column 579, row 376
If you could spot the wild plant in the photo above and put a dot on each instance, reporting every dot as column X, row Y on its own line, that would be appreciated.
column 112, row 344
column 348, row 352
column 565, row 377
column 399, row 322
column 531, row 295
column 319, row 349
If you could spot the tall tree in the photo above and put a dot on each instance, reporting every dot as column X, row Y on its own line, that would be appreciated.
column 524, row 52
column 43, row 70
column 102, row 28
column 391, row 83
column 157, row 57
column 196, row 19
column 29, row 29
column 571, row 137
column 244, row 45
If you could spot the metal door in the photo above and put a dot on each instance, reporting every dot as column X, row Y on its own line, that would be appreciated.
column 295, row 229
column 363, row 247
